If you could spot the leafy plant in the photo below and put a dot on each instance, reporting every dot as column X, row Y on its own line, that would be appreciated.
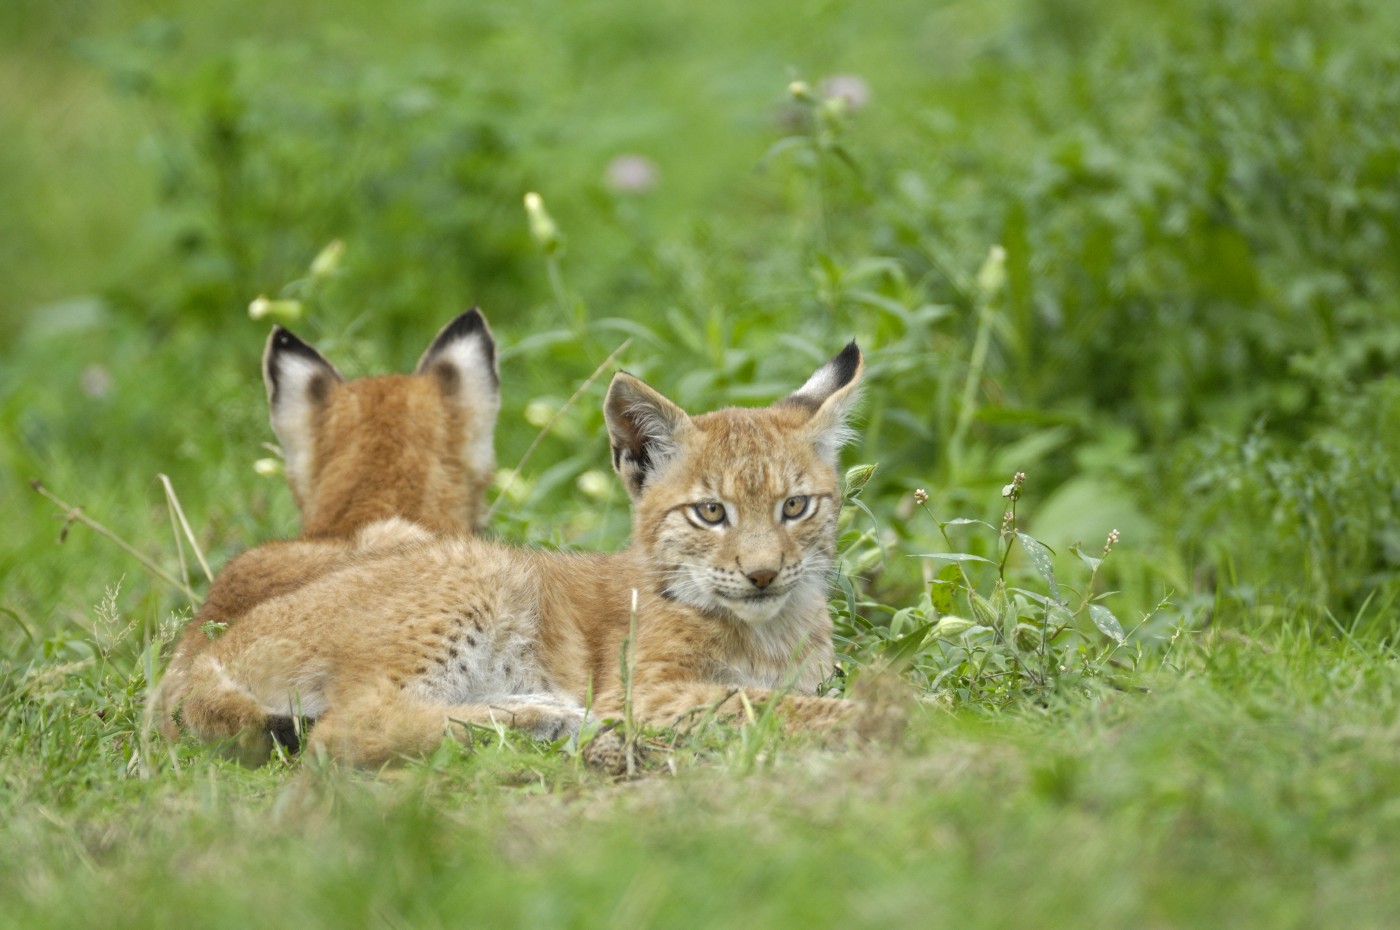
column 978, row 635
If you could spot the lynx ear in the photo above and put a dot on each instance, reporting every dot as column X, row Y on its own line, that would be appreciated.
column 463, row 354
column 462, row 359
column 830, row 394
column 298, row 380
column 643, row 427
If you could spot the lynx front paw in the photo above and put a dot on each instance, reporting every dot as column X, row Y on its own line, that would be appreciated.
column 542, row 721
column 608, row 752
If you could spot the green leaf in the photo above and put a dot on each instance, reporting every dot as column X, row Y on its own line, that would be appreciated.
column 1086, row 558
column 1040, row 556
column 1041, row 599
column 900, row 650
column 944, row 589
column 898, row 621
column 848, row 590
column 965, row 521
column 784, row 145
column 952, row 557
column 1107, row 623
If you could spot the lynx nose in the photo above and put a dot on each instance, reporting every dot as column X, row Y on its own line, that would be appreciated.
column 762, row 578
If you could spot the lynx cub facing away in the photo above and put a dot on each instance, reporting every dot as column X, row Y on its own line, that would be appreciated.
column 373, row 463
column 734, row 522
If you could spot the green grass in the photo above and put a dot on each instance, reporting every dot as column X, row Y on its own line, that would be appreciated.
column 1191, row 335
column 1251, row 786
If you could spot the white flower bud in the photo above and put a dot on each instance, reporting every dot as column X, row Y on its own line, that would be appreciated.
column 327, row 261
column 992, row 276
column 542, row 226
column 278, row 311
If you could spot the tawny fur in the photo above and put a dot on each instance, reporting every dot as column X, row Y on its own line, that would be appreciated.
column 409, row 642
column 373, row 464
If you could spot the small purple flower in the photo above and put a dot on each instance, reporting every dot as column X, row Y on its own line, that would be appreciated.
column 96, row 381
column 850, row 88
column 631, row 174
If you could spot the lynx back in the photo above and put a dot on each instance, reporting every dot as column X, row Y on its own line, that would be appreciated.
column 373, row 464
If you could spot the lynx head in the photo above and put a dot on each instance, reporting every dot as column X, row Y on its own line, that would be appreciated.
column 417, row 446
column 736, row 508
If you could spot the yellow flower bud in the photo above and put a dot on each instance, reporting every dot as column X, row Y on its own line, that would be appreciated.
column 595, row 484
column 538, row 413
column 951, row 626
column 327, row 261
column 542, row 226
column 992, row 276
column 269, row 468
column 278, row 311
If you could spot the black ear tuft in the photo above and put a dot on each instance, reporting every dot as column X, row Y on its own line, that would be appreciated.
column 283, row 343
column 829, row 395
column 846, row 363
column 283, row 346
column 466, row 326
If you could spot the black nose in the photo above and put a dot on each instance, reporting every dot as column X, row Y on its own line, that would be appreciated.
column 762, row 578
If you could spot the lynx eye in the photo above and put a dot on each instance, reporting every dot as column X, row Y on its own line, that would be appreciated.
column 711, row 512
column 795, row 507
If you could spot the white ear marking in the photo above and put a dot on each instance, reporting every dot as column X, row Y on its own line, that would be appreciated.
column 463, row 359
column 642, row 427
column 298, row 380
column 831, row 393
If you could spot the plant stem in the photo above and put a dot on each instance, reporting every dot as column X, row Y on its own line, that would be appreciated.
column 544, row 431
column 977, row 365
column 74, row 514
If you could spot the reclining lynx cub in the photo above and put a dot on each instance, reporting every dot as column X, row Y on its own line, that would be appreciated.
column 734, row 524
column 373, row 464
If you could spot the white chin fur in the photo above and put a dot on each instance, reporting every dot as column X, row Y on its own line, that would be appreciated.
column 696, row 588
column 693, row 588
column 756, row 610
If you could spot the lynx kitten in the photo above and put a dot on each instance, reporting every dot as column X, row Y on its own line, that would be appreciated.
column 734, row 524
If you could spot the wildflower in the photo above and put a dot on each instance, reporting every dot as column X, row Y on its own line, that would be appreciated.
column 595, row 484
column 279, row 311
column 327, row 261
column 991, row 278
column 1110, row 542
column 850, row 89
column 96, row 381
column 542, row 226
column 539, row 413
column 631, row 174
column 920, row 496
column 800, row 91
column 857, row 477
column 950, row 626
column 1012, row 491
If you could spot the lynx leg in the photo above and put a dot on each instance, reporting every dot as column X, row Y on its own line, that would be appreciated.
column 388, row 724
column 665, row 706
column 212, row 707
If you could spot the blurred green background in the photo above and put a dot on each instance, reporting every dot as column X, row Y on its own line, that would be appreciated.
column 1194, row 342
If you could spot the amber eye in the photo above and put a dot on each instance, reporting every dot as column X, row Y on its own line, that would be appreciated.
column 711, row 512
column 795, row 507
